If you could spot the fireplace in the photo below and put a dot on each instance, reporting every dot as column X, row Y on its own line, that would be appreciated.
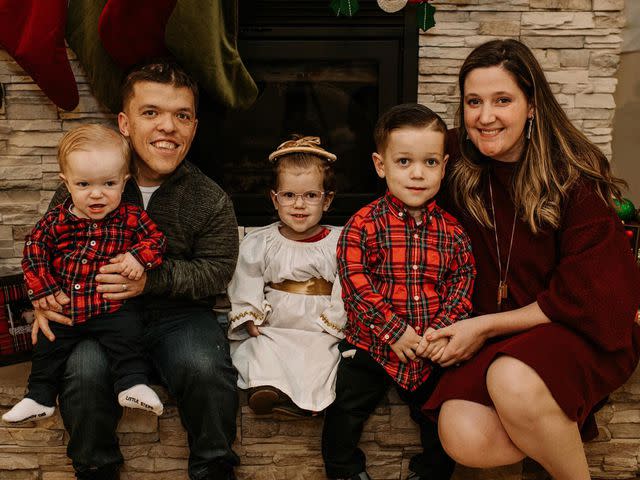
column 317, row 74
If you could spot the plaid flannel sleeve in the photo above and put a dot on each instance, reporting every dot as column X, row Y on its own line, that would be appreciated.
column 150, row 241
column 460, row 278
column 363, row 303
column 36, row 259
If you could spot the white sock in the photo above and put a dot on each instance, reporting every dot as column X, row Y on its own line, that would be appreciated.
column 141, row 396
column 27, row 409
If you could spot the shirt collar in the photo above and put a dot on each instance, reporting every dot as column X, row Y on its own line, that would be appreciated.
column 399, row 210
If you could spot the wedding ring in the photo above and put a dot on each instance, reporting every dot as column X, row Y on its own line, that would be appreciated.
column 124, row 287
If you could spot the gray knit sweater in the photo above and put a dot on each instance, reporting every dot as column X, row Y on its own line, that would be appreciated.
column 197, row 218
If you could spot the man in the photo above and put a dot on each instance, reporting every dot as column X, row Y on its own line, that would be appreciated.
column 182, row 337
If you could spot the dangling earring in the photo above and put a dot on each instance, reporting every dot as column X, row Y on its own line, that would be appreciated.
column 529, row 127
column 466, row 136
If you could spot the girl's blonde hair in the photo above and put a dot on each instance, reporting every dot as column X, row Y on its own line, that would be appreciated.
column 88, row 137
column 304, row 152
column 554, row 158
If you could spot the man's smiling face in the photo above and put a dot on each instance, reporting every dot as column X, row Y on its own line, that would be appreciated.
column 160, row 121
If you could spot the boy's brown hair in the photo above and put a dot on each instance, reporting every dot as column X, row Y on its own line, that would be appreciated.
column 90, row 136
column 412, row 115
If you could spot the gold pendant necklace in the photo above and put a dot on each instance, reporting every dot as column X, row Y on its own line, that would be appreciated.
column 503, row 288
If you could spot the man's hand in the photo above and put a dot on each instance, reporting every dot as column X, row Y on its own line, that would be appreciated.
column 406, row 345
column 114, row 286
column 41, row 320
column 128, row 265
column 251, row 328
column 54, row 302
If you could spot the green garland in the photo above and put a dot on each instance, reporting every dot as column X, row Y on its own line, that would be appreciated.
column 426, row 16
column 345, row 7
column 426, row 11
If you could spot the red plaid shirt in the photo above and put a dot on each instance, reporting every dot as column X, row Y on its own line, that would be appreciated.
column 64, row 252
column 395, row 273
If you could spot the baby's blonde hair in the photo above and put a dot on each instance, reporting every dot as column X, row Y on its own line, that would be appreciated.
column 90, row 136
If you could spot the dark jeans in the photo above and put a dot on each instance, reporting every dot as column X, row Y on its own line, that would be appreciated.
column 191, row 354
column 119, row 333
column 360, row 386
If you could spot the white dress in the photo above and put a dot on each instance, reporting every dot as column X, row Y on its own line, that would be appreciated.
column 297, row 349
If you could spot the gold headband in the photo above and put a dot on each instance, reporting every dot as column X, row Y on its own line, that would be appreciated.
column 302, row 145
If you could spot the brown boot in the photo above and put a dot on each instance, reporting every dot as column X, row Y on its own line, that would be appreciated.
column 267, row 399
column 263, row 399
column 287, row 407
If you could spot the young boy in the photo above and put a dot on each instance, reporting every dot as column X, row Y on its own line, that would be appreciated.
column 406, row 268
column 62, row 255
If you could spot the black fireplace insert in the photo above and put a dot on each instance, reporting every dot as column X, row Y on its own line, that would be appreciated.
column 317, row 74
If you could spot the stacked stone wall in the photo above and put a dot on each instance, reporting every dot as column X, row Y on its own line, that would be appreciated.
column 275, row 447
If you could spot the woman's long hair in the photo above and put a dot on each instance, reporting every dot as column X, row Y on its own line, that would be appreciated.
column 554, row 158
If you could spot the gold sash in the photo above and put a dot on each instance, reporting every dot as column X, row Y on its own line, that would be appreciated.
column 313, row 286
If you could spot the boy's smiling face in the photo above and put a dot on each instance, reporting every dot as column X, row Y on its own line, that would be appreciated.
column 413, row 165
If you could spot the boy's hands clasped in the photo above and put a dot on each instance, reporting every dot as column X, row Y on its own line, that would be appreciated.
column 411, row 346
column 406, row 346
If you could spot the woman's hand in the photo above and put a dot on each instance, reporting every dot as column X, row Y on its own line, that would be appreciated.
column 41, row 319
column 467, row 336
column 431, row 350
column 465, row 339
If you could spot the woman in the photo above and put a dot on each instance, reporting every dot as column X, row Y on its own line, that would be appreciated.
column 557, row 289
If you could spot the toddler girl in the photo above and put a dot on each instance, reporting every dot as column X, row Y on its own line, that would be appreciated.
column 287, row 313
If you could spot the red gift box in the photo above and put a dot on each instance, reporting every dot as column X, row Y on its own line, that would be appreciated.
column 16, row 318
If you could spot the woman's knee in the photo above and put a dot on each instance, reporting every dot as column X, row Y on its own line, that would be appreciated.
column 461, row 432
column 473, row 435
column 517, row 391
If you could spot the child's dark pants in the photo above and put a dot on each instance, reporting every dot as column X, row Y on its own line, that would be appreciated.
column 360, row 385
column 120, row 333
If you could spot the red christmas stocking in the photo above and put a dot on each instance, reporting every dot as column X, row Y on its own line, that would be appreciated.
column 134, row 31
column 32, row 32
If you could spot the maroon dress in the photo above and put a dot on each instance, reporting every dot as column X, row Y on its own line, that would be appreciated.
column 583, row 277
